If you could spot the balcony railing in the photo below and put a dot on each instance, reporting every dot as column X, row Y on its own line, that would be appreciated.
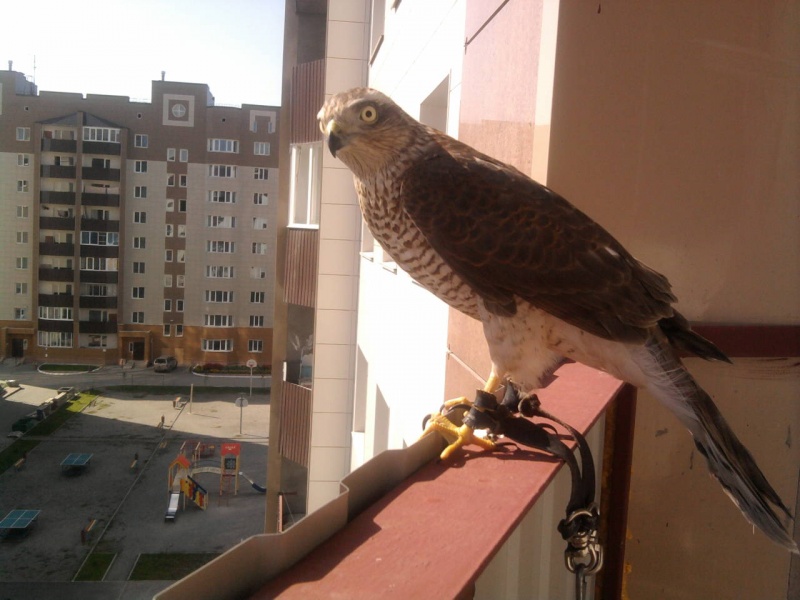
column 56, row 299
column 98, row 301
column 53, row 145
column 89, row 224
column 100, row 251
column 99, row 276
column 60, row 223
column 54, row 325
column 99, row 199
column 61, row 171
column 302, row 249
column 56, row 274
column 102, row 148
column 100, row 173
column 56, row 249
column 57, row 198
column 97, row 327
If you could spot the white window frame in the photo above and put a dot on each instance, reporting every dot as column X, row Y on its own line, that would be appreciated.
column 141, row 140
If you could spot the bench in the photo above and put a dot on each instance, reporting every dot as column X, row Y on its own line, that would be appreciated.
column 134, row 464
column 87, row 530
column 19, row 463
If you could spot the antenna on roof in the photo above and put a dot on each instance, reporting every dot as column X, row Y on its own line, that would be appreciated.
column 11, row 65
column 34, row 69
column 163, row 74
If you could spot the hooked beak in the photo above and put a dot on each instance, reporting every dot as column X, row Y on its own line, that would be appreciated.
column 333, row 132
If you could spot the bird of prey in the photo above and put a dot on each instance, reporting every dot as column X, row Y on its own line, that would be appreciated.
column 544, row 279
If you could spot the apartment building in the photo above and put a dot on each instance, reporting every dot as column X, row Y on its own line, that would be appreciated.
column 133, row 229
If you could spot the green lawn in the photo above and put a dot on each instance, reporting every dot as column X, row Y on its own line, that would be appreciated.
column 167, row 567
column 95, row 567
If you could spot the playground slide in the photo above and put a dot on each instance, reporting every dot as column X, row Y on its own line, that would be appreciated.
column 172, row 509
column 256, row 487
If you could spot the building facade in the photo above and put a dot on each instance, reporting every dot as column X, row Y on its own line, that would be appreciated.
column 136, row 229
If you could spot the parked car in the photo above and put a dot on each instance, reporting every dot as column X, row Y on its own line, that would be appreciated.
column 165, row 364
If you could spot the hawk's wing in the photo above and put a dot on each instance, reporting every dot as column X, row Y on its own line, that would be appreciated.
column 508, row 236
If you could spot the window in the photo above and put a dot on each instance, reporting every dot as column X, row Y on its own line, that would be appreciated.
column 222, row 197
column 95, row 289
column 167, row 255
column 220, row 221
column 98, row 341
column 219, row 145
column 184, row 155
column 170, row 205
column 182, row 205
column 255, row 345
column 96, row 263
column 137, row 292
column 54, row 339
column 259, row 222
column 258, row 273
column 140, row 243
column 259, row 248
column 55, row 313
column 167, row 329
column 183, row 180
column 139, row 217
column 219, row 296
column 170, row 154
column 256, row 321
column 257, row 297
column 22, row 185
column 138, row 267
column 19, row 314
column 23, row 160
column 140, row 140
column 179, row 330
column 140, row 166
column 221, row 171
column 304, row 186
column 220, row 247
column 99, row 238
column 22, row 262
column 261, row 173
column 169, row 230
column 260, row 199
column 180, row 281
column 137, row 316
column 181, row 231
column 261, row 148
column 171, row 180
column 102, row 134
column 22, row 212
column 23, row 134
column 181, row 256
column 140, row 191
column 217, row 345
column 214, row 272
column 168, row 305
column 22, row 237
column 179, row 305
column 20, row 288
column 218, row 321
column 167, row 281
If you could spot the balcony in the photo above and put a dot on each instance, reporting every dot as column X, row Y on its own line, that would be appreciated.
column 95, row 199
column 53, row 325
column 99, row 276
column 97, row 327
column 67, row 198
column 52, row 145
column 98, row 301
column 302, row 249
column 89, row 224
column 59, row 223
column 60, row 171
column 56, row 274
column 56, row 299
column 56, row 249
column 100, row 251
column 102, row 148
column 100, row 173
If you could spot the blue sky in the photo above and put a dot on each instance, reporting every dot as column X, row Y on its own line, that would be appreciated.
column 118, row 47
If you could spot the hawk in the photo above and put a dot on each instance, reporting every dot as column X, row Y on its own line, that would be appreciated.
column 544, row 279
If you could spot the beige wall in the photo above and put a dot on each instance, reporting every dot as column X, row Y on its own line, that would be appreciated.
column 676, row 126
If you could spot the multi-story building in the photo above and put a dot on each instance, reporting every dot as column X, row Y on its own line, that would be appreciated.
column 134, row 229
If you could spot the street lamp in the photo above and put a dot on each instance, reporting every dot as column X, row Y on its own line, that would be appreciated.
column 241, row 402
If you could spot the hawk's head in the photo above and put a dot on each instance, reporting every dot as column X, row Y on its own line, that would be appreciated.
column 366, row 130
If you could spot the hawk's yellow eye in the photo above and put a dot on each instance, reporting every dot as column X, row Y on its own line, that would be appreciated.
column 369, row 114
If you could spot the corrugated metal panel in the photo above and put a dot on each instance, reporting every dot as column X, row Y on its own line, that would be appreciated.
column 302, row 248
column 308, row 95
column 295, row 423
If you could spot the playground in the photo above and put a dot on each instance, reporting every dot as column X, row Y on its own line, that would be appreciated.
column 114, row 498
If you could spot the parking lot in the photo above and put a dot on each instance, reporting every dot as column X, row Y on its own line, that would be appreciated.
column 127, row 504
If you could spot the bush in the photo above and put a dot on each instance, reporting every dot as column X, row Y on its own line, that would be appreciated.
column 220, row 369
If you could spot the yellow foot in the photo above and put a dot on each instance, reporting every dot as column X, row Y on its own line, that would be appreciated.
column 455, row 435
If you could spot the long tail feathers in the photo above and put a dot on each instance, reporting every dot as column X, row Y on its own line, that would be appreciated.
column 728, row 460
